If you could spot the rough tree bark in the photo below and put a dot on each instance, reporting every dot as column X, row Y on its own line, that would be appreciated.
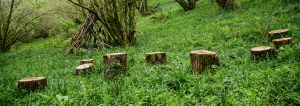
column 156, row 58
column 262, row 52
column 114, row 65
column 32, row 83
column 143, row 8
column 202, row 59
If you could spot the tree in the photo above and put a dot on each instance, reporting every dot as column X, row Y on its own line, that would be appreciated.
column 116, row 18
column 187, row 5
column 14, row 19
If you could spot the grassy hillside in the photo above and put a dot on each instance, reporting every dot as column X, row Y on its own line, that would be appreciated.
column 237, row 81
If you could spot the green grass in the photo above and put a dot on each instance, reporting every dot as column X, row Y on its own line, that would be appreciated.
column 237, row 81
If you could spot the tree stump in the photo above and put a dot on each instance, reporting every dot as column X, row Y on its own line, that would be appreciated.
column 32, row 83
column 262, row 52
column 84, row 68
column 278, row 33
column 87, row 61
column 282, row 41
column 156, row 58
column 114, row 65
column 203, row 59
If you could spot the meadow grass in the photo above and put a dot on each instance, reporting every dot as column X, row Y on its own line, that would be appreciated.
column 239, row 80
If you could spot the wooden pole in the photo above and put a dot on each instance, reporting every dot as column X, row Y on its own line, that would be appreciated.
column 202, row 59
column 32, row 83
column 114, row 65
column 156, row 58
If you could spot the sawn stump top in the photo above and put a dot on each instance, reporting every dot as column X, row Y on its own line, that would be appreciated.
column 279, row 31
column 113, row 54
column 261, row 48
column 282, row 39
column 32, row 79
column 203, row 52
column 84, row 66
column 156, row 53
column 88, row 60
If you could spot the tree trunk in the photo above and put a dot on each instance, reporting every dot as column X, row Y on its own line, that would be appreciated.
column 226, row 4
column 144, row 8
column 282, row 41
column 262, row 52
column 83, row 69
column 156, row 58
column 203, row 59
column 87, row 61
column 187, row 4
column 114, row 65
column 276, row 34
column 33, row 83
column 3, row 48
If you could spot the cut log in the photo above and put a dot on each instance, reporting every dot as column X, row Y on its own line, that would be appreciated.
column 202, row 59
column 84, row 68
column 282, row 41
column 156, row 58
column 87, row 61
column 114, row 65
column 32, row 83
column 278, row 33
column 262, row 52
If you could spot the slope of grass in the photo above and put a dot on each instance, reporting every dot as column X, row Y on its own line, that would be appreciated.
column 237, row 81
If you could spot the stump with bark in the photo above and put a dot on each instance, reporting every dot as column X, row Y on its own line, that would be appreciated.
column 114, row 65
column 32, row 83
column 87, row 61
column 156, row 58
column 282, row 41
column 262, row 52
column 84, row 68
column 275, row 34
column 203, row 59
